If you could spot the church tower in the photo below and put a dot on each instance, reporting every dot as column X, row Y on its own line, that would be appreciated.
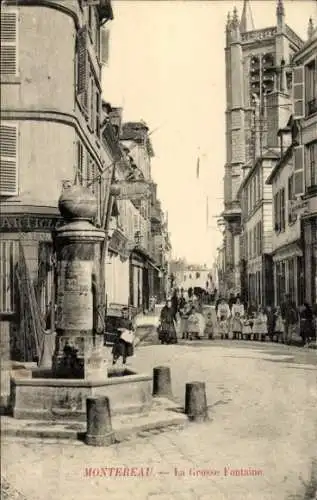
column 253, row 58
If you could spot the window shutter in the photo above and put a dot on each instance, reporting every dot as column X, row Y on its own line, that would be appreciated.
column 79, row 163
column 8, row 163
column 299, row 92
column 299, row 180
column 82, row 68
column 9, row 41
column 104, row 45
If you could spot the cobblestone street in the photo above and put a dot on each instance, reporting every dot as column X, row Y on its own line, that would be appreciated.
column 263, row 420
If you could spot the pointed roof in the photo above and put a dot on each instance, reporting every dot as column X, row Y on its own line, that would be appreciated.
column 247, row 23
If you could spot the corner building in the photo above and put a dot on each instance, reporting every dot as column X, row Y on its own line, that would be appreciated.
column 52, row 53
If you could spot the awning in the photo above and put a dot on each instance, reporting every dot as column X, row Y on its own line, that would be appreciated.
column 155, row 267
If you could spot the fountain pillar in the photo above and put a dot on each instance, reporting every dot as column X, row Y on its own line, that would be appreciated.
column 78, row 351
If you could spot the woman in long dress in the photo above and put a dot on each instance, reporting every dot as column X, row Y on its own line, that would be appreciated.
column 167, row 330
column 237, row 312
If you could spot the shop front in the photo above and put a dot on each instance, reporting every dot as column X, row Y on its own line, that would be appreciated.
column 27, row 279
column 139, row 279
column 289, row 273
column 117, row 269
column 310, row 257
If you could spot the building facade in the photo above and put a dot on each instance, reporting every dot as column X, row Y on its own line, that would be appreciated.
column 305, row 156
column 256, row 232
column 254, row 59
column 50, row 132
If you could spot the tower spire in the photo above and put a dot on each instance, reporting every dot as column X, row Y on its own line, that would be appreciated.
column 246, row 23
column 280, row 11
column 310, row 30
column 280, row 14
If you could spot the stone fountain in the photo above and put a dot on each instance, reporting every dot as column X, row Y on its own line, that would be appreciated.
column 79, row 366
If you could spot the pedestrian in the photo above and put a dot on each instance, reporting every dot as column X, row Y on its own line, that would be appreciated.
column 257, row 322
column 270, row 322
column 278, row 325
column 307, row 326
column 167, row 328
column 174, row 303
column 123, row 346
column 290, row 318
column 237, row 313
column 193, row 324
column 246, row 329
column 262, row 324
column 184, row 320
column 232, row 300
column 223, row 315
column 209, row 328
column 181, row 311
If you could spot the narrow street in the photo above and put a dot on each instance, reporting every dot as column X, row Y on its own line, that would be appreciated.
column 245, row 383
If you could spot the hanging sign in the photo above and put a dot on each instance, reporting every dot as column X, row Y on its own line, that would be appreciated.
column 133, row 190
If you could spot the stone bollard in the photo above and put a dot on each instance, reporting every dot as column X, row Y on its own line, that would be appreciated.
column 99, row 427
column 196, row 401
column 162, row 385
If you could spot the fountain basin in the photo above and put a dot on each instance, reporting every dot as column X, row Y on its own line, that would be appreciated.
column 46, row 398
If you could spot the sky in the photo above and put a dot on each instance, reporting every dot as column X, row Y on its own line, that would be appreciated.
column 166, row 67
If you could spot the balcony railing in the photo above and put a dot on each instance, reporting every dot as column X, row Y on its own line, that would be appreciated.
column 312, row 106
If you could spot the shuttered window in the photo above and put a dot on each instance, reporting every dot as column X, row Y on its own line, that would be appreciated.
column 8, row 161
column 9, row 43
column 8, row 259
column 82, row 69
column 299, row 92
column 104, row 45
column 311, row 165
column 299, row 177
column 282, row 210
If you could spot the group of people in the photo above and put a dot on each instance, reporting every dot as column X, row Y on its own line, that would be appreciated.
column 236, row 320
column 279, row 324
column 182, row 313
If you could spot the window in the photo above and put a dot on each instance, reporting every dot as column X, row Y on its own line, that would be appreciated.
column 311, row 164
column 8, row 258
column 299, row 178
column 298, row 93
column 9, row 159
column 97, row 109
column 291, row 188
column 254, row 190
column 9, row 43
column 311, row 87
column 282, row 209
column 104, row 45
column 258, row 195
column 276, row 212
column 260, row 238
column 254, row 242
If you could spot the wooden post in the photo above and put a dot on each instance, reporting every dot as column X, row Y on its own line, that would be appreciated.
column 196, row 401
column 99, row 427
column 162, row 386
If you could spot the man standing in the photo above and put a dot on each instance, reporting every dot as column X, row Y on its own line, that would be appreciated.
column 289, row 315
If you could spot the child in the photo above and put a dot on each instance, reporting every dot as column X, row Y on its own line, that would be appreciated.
column 193, row 324
column 262, row 322
column 223, row 315
column 237, row 315
column 256, row 328
column 246, row 329
column 209, row 329
column 278, row 325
